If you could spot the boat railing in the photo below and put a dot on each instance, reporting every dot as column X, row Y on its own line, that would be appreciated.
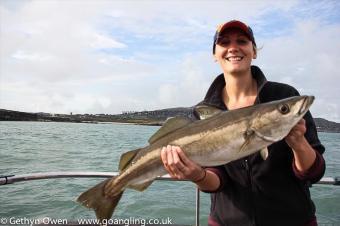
column 11, row 179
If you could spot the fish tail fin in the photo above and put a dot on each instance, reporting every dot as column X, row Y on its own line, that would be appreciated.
column 95, row 199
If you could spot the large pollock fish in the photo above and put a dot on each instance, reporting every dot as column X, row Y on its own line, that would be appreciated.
column 219, row 138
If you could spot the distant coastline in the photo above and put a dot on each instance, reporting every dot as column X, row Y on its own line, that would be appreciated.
column 152, row 118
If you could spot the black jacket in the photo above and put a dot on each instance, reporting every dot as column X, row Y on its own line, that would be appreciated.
column 258, row 192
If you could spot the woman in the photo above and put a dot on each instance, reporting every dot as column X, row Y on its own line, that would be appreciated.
column 253, row 191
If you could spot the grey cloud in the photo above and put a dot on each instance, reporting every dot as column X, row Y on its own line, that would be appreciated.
column 50, row 58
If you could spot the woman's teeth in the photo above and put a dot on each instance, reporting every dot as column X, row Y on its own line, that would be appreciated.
column 233, row 58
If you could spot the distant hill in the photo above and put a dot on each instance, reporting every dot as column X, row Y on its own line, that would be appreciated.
column 156, row 117
column 324, row 125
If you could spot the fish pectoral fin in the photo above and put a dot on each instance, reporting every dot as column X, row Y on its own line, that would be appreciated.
column 205, row 111
column 94, row 198
column 264, row 153
column 244, row 145
column 247, row 137
column 140, row 187
column 126, row 158
column 171, row 125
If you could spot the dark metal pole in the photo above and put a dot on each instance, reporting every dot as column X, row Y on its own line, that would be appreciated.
column 197, row 207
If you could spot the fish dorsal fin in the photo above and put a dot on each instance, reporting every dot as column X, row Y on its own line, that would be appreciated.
column 205, row 111
column 126, row 158
column 169, row 126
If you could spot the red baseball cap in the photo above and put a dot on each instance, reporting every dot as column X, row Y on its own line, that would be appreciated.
column 233, row 24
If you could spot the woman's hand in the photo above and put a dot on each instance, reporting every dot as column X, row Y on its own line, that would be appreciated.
column 304, row 154
column 180, row 166
column 296, row 137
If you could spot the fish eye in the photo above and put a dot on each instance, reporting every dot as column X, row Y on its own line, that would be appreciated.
column 284, row 108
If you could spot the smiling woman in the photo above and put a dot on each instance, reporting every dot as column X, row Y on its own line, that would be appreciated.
column 234, row 51
column 254, row 190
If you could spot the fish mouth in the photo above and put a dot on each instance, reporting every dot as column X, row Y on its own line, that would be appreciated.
column 307, row 102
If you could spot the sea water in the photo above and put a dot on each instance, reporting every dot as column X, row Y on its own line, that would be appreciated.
column 32, row 147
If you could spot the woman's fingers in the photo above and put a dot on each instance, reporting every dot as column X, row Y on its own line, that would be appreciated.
column 186, row 161
column 177, row 167
column 296, row 134
column 178, row 164
column 172, row 162
column 164, row 157
column 194, row 171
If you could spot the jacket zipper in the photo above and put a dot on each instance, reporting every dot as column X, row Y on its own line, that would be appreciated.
column 247, row 167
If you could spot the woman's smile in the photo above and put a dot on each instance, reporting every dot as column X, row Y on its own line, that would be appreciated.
column 234, row 58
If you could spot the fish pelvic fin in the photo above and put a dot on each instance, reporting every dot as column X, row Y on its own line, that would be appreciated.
column 95, row 199
column 264, row 153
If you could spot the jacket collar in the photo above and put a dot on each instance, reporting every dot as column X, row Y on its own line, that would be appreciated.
column 213, row 96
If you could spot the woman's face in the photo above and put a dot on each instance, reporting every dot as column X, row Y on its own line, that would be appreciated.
column 234, row 51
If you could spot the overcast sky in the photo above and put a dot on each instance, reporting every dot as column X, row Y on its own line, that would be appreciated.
column 113, row 56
